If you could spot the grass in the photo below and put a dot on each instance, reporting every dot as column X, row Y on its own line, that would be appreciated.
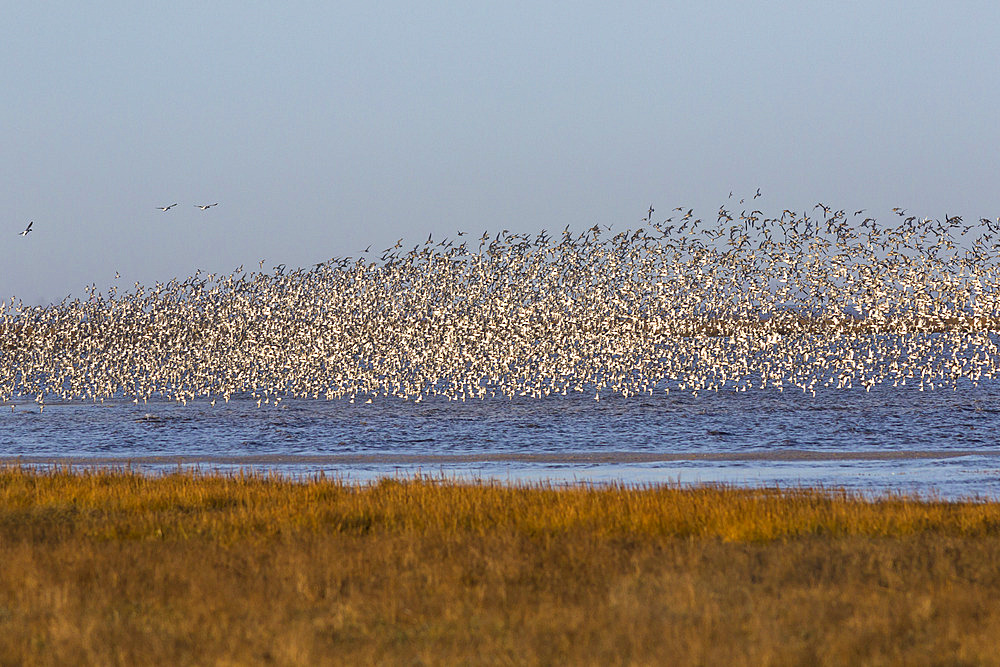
column 111, row 567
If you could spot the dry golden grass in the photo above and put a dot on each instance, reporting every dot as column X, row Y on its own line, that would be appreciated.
column 118, row 568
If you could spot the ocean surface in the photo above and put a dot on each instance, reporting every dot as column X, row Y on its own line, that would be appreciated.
column 941, row 443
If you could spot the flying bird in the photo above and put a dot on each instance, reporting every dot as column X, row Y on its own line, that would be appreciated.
column 27, row 229
column 166, row 208
column 205, row 207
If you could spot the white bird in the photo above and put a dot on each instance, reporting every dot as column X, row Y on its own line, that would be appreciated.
column 27, row 229
column 205, row 207
column 166, row 208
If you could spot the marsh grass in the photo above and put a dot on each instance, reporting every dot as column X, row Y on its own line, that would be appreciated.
column 113, row 567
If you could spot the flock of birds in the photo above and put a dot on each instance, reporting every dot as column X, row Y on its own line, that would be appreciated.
column 796, row 301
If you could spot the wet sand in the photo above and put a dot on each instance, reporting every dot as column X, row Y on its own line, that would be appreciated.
column 561, row 458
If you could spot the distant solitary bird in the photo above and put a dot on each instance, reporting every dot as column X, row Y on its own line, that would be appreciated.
column 205, row 207
column 27, row 229
column 166, row 208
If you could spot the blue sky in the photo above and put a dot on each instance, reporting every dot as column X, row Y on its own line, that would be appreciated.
column 323, row 127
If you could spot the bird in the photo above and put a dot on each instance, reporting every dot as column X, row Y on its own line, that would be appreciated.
column 166, row 208
column 27, row 230
column 205, row 207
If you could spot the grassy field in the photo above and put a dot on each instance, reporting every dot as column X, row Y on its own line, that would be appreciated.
column 117, row 568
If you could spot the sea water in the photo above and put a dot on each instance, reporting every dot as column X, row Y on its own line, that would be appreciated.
column 940, row 442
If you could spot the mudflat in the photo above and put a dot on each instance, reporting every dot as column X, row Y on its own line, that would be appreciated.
column 562, row 457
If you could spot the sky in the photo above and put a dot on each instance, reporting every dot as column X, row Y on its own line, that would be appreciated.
column 323, row 127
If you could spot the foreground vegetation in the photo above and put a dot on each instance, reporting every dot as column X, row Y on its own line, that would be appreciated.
column 117, row 568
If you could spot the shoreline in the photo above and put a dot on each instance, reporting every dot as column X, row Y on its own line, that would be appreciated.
column 781, row 455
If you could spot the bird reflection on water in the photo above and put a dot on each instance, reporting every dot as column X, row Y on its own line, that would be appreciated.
column 796, row 302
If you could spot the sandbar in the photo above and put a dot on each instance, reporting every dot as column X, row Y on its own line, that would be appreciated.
column 617, row 457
